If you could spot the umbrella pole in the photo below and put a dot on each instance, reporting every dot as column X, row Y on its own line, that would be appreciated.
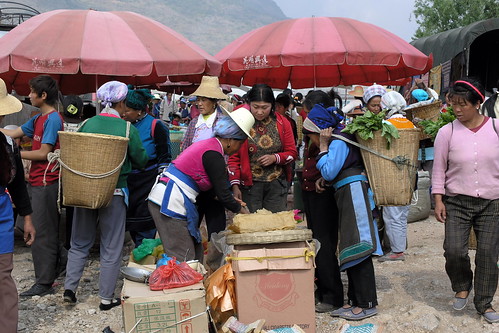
column 315, row 82
column 97, row 106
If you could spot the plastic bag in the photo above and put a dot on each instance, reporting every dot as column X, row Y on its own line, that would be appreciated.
column 219, row 242
column 164, row 260
column 145, row 248
column 173, row 275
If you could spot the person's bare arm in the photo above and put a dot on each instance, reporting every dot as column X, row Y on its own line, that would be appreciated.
column 15, row 133
column 39, row 154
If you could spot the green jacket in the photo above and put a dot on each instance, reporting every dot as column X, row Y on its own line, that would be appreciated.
column 136, row 155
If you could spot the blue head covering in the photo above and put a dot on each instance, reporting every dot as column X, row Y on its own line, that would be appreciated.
column 138, row 99
column 323, row 118
column 227, row 128
column 420, row 95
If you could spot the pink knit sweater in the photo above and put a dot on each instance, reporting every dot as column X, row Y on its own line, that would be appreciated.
column 466, row 162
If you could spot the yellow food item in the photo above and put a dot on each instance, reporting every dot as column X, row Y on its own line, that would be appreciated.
column 263, row 220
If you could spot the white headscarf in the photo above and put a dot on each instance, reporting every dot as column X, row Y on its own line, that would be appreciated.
column 394, row 102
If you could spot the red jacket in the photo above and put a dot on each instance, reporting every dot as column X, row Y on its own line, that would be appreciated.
column 239, row 163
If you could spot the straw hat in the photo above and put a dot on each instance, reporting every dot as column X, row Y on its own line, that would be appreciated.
column 358, row 91
column 8, row 103
column 355, row 112
column 210, row 88
column 243, row 118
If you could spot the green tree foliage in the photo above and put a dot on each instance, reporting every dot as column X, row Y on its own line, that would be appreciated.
column 434, row 16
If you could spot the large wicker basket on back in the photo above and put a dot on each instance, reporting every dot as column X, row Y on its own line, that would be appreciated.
column 392, row 185
column 88, row 161
column 429, row 111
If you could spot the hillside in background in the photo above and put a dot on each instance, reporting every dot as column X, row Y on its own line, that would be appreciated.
column 212, row 24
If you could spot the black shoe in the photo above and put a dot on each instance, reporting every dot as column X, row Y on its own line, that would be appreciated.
column 114, row 302
column 37, row 290
column 69, row 297
column 324, row 307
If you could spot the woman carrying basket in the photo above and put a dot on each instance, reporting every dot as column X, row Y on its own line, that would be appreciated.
column 465, row 185
column 111, row 219
column 322, row 215
column 201, row 167
column 395, row 217
column 341, row 163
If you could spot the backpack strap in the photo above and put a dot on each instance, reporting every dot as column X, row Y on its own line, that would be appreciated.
column 153, row 127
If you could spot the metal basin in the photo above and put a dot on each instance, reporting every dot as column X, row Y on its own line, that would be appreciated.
column 135, row 274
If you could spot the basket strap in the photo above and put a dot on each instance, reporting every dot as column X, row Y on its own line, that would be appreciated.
column 399, row 161
column 56, row 157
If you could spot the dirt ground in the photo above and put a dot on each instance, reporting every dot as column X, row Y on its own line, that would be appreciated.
column 414, row 296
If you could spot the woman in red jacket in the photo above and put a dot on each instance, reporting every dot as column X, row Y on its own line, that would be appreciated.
column 260, row 171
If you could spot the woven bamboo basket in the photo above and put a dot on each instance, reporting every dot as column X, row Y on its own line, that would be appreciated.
column 424, row 112
column 392, row 186
column 93, row 154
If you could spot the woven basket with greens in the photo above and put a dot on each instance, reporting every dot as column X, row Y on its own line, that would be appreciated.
column 365, row 126
column 431, row 127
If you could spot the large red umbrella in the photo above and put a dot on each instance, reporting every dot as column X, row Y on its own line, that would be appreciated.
column 319, row 52
column 85, row 48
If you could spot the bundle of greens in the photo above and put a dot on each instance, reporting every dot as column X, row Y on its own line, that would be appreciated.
column 431, row 127
column 365, row 126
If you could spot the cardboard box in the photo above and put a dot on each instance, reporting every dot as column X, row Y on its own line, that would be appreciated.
column 164, row 311
column 279, row 289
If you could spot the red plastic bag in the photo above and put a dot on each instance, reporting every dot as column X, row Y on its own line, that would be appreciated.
column 173, row 275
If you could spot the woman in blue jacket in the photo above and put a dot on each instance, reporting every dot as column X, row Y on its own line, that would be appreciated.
column 155, row 138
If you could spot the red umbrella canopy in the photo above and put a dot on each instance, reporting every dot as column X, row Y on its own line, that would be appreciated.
column 85, row 48
column 320, row 52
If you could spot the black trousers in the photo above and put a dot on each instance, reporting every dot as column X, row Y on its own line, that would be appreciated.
column 213, row 211
column 322, row 219
column 362, row 284
column 464, row 212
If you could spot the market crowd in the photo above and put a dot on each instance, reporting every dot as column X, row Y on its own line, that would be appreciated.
column 242, row 154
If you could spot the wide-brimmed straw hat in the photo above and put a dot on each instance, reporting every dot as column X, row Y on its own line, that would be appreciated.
column 243, row 118
column 8, row 103
column 358, row 91
column 210, row 88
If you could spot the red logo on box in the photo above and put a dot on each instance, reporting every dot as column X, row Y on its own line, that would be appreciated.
column 185, row 304
column 186, row 328
column 275, row 291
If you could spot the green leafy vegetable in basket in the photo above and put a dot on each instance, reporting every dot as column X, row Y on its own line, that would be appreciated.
column 431, row 127
column 365, row 126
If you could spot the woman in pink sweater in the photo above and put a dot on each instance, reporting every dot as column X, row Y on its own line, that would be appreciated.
column 465, row 185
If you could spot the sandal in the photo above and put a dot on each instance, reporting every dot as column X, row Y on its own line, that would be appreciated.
column 365, row 313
